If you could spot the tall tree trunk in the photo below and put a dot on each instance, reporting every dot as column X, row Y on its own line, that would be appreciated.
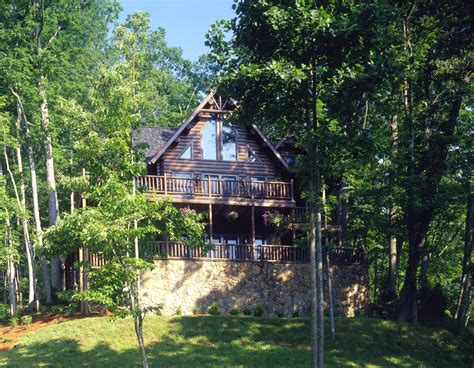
column 392, row 249
column 53, row 210
column 328, row 268
column 464, row 299
column 34, row 190
column 408, row 299
column 32, row 302
column 11, row 270
column 424, row 269
column 315, row 236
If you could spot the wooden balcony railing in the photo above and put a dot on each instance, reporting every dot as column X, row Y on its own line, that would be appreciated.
column 169, row 185
column 245, row 252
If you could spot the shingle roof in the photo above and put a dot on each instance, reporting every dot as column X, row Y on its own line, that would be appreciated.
column 154, row 137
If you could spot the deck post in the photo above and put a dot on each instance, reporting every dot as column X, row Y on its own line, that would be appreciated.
column 293, row 227
column 292, row 190
column 165, row 183
column 209, row 186
column 253, row 229
column 211, row 231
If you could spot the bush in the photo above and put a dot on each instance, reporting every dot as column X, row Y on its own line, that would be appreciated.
column 247, row 312
column 179, row 311
column 234, row 312
column 43, row 309
column 196, row 310
column 71, row 309
column 258, row 311
column 3, row 311
column 13, row 320
column 433, row 302
column 57, row 308
column 213, row 309
column 26, row 320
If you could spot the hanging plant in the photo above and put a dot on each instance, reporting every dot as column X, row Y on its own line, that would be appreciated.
column 232, row 215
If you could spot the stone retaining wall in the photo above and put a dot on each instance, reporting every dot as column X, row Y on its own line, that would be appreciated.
column 281, row 288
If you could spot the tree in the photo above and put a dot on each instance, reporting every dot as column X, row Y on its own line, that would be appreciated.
column 117, row 214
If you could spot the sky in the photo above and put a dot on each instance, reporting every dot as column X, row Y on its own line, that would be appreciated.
column 185, row 21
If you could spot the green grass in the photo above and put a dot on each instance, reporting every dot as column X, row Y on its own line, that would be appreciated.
column 235, row 341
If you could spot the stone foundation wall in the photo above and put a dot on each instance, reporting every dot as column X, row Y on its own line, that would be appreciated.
column 281, row 288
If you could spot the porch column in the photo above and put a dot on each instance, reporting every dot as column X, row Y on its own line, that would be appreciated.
column 253, row 230
column 293, row 225
column 211, row 231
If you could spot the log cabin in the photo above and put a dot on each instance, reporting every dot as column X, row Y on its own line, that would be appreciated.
column 237, row 177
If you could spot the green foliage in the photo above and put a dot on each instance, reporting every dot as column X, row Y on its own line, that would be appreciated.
column 234, row 312
column 195, row 310
column 247, row 312
column 13, row 321
column 179, row 311
column 214, row 309
column 258, row 311
column 26, row 320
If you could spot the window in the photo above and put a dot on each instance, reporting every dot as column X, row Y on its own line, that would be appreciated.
column 290, row 159
column 251, row 156
column 186, row 154
column 209, row 141
column 229, row 147
column 219, row 141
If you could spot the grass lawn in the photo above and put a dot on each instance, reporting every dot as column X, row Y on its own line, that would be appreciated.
column 235, row 341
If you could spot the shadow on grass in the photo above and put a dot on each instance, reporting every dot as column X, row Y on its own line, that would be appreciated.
column 249, row 342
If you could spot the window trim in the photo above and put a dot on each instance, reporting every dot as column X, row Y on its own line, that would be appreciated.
column 190, row 145
column 257, row 159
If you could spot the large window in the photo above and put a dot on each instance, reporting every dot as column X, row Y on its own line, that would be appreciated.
column 229, row 146
column 218, row 140
column 209, row 141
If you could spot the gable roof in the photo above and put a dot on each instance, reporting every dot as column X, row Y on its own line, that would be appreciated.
column 182, row 127
column 154, row 137
column 160, row 149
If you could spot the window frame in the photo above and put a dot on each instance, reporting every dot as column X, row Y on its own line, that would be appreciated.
column 190, row 146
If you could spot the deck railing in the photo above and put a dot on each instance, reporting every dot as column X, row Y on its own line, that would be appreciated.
column 245, row 252
column 169, row 185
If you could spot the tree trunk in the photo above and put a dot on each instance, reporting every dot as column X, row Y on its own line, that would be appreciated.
column 32, row 303
column 464, row 299
column 9, row 245
column 53, row 210
column 328, row 268
column 424, row 269
column 392, row 252
column 34, row 190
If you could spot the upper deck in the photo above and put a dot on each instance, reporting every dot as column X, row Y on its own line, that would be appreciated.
column 265, row 193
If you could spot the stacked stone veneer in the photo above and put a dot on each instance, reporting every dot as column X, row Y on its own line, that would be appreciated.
column 281, row 288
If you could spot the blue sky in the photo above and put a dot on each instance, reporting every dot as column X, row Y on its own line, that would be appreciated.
column 185, row 21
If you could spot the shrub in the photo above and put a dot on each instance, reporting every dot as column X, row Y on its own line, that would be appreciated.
column 213, row 309
column 195, row 310
column 295, row 314
column 57, row 308
column 433, row 302
column 280, row 314
column 26, row 320
column 179, row 311
column 258, row 311
column 247, row 312
column 13, row 320
column 234, row 312
column 71, row 309
column 43, row 309
column 3, row 311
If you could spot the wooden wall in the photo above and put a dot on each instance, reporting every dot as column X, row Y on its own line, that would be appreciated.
column 267, row 165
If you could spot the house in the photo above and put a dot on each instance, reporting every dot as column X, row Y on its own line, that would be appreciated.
column 256, row 253
column 234, row 174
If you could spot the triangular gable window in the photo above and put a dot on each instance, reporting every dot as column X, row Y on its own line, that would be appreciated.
column 186, row 154
column 251, row 156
